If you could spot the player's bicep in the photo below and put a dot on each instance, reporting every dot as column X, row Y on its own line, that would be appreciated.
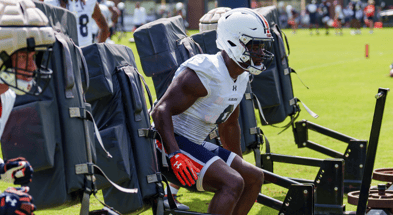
column 183, row 92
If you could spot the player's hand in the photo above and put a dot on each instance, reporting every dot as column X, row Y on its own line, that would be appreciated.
column 17, row 171
column 16, row 200
column 184, row 170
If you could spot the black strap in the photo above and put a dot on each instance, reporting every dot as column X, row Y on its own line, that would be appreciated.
column 105, row 205
column 292, row 70
column 259, row 107
column 85, row 114
column 147, row 89
column 261, row 117
column 257, row 156
column 68, row 69
column 83, row 65
column 286, row 39
column 186, row 42
column 171, row 201
column 98, row 171
column 85, row 204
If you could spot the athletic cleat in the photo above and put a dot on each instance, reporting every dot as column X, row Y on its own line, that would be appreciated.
column 179, row 205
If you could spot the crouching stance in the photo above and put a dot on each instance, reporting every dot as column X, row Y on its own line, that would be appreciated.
column 205, row 92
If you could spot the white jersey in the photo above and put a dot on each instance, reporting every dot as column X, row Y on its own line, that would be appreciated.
column 7, row 103
column 84, row 18
column 223, row 96
column 339, row 12
column 312, row 8
column 107, row 14
column 139, row 16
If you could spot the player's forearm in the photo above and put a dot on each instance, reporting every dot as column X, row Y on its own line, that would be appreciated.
column 230, row 137
column 164, row 125
column 103, row 35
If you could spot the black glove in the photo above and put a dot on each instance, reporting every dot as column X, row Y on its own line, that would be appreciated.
column 17, row 171
column 16, row 200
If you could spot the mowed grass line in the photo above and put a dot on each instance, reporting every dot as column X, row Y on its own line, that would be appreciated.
column 342, row 85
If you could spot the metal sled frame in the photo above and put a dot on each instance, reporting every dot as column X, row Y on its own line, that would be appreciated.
column 354, row 155
column 370, row 159
column 299, row 200
column 329, row 181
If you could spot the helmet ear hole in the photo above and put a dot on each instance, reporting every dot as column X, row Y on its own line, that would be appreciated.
column 231, row 43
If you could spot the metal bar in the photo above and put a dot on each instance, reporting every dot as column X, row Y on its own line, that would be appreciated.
column 323, row 149
column 371, row 151
column 355, row 157
column 174, row 212
column 329, row 132
column 279, row 180
column 269, row 201
column 295, row 160
column 299, row 200
column 301, row 180
column 329, row 187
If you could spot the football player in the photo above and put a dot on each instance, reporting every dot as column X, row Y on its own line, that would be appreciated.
column 312, row 11
column 324, row 7
column 88, row 12
column 338, row 17
column 25, row 47
column 369, row 10
column 206, row 91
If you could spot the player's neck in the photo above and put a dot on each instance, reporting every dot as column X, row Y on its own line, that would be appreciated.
column 233, row 69
column 3, row 88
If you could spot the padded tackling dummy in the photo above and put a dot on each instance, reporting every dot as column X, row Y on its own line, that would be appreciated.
column 207, row 41
column 273, row 87
column 162, row 46
column 60, row 19
column 49, row 132
column 117, row 97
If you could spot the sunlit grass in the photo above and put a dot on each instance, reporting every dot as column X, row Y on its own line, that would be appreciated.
column 342, row 86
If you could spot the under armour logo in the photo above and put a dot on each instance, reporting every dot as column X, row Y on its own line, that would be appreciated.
column 177, row 165
column 12, row 201
column 234, row 88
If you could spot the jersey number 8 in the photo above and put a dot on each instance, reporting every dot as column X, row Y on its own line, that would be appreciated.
column 83, row 21
column 225, row 115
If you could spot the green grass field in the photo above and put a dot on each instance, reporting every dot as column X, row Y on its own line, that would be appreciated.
column 342, row 85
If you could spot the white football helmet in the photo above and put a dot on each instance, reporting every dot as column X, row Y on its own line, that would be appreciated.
column 242, row 27
column 179, row 6
column 121, row 6
column 24, row 29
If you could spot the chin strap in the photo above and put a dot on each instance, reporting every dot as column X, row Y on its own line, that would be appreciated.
column 9, row 78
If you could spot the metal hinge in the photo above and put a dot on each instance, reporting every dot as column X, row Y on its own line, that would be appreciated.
column 248, row 96
column 286, row 71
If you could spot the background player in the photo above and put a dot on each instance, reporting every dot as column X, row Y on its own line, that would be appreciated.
column 369, row 10
column 21, row 72
column 324, row 7
column 87, row 12
column 312, row 11
column 338, row 17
